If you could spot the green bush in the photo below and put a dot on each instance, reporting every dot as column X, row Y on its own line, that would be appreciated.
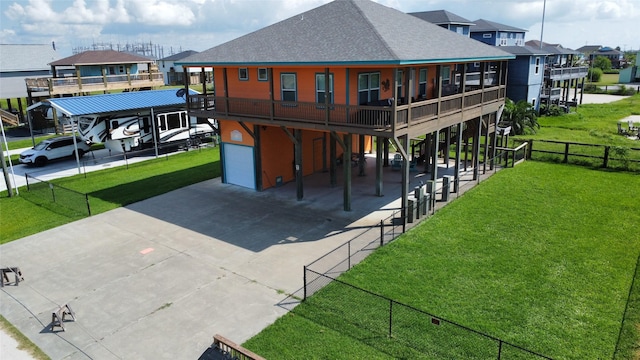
column 594, row 74
column 552, row 110
column 612, row 71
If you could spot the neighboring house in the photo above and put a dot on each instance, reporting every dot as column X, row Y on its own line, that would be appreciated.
column 587, row 50
column 562, row 73
column 447, row 20
column 593, row 51
column 526, row 74
column 298, row 96
column 21, row 61
column 91, row 71
column 497, row 34
column 173, row 75
column 630, row 74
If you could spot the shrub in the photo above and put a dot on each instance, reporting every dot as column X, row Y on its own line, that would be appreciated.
column 551, row 110
column 594, row 74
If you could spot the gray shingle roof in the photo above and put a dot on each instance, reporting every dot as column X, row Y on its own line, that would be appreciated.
column 482, row 25
column 441, row 17
column 525, row 50
column 348, row 32
column 27, row 57
column 555, row 49
column 179, row 56
column 96, row 57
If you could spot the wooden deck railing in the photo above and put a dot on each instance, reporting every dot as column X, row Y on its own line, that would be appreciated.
column 69, row 85
column 359, row 116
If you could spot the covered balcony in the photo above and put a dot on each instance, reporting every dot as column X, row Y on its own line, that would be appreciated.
column 387, row 119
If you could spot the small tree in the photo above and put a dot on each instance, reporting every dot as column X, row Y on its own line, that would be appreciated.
column 602, row 62
column 521, row 116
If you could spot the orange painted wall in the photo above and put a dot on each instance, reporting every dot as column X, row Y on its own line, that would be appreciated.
column 277, row 153
column 277, row 156
column 227, row 126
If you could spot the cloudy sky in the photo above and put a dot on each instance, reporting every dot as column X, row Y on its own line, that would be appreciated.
column 201, row 24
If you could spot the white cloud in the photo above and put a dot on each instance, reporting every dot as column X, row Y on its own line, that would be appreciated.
column 177, row 23
column 161, row 13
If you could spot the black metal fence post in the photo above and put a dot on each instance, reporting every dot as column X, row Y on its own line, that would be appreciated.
column 349, row 254
column 304, row 279
column 26, row 177
column 86, row 198
column 53, row 193
column 381, row 233
column 499, row 349
column 390, row 317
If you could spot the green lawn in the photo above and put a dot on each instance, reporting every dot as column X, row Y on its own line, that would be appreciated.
column 107, row 189
column 590, row 124
column 541, row 256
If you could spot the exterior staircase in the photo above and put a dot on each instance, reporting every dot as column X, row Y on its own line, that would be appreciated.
column 9, row 118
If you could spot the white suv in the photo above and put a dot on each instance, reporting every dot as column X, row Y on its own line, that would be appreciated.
column 51, row 149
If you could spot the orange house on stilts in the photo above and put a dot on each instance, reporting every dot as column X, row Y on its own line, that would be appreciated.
column 324, row 87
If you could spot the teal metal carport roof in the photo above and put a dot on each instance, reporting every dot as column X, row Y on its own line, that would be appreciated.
column 111, row 103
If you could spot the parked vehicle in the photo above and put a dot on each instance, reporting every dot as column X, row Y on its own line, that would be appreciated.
column 122, row 133
column 52, row 149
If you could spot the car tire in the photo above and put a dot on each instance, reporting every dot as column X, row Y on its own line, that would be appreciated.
column 40, row 161
column 80, row 153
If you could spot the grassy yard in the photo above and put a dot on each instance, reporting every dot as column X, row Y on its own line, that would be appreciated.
column 607, row 79
column 541, row 256
column 590, row 124
column 107, row 189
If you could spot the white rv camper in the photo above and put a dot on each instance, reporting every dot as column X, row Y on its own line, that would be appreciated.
column 122, row 133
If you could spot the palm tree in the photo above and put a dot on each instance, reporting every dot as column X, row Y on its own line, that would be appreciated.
column 521, row 116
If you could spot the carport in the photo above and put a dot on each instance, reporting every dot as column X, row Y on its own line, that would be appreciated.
column 66, row 110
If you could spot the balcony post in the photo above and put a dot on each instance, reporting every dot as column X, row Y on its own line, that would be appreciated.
column 346, row 166
column 326, row 97
column 272, row 105
column 408, row 89
column 226, row 91
column 105, row 81
column 78, row 79
column 456, row 181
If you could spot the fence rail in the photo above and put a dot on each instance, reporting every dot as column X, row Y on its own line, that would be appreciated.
column 374, row 315
column 605, row 156
column 46, row 191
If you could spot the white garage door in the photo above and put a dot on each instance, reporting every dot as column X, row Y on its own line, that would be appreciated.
column 239, row 165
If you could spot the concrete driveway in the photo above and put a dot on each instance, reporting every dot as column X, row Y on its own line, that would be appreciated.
column 157, row 279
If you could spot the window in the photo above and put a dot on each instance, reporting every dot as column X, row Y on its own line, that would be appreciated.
column 320, row 87
column 445, row 73
column 503, row 39
column 263, row 75
column 243, row 74
column 288, row 87
column 460, row 30
column 537, row 65
column 368, row 87
column 486, row 36
column 422, row 84
column 400, row 80
column 121, row 68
